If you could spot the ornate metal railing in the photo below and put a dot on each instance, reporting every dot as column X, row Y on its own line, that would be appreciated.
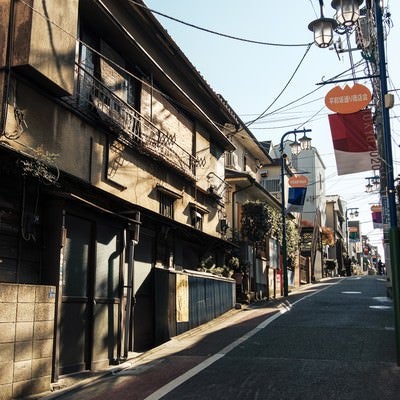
column 95, row 100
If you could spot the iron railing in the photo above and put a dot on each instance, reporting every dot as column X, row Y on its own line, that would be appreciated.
column 95, row 100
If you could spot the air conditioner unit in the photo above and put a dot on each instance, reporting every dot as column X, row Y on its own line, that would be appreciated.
column 231, row 160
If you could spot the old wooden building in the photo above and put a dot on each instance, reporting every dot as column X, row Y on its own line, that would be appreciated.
column 112, row 187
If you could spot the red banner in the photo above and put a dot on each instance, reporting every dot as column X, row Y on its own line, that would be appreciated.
column 377, row 216
column 354, row 142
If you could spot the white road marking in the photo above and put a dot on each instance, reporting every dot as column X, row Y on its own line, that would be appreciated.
column 169, row 387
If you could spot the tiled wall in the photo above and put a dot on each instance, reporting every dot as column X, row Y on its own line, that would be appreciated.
column 26, row 339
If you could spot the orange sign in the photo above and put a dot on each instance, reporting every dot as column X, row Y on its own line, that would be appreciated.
column 376, row 208
column 349, row 99
column 298, row 181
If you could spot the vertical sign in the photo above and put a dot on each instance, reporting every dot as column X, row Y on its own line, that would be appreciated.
column 182, row 298
column 385, row 210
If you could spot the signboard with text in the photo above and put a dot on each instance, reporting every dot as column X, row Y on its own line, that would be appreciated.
column 348, row 100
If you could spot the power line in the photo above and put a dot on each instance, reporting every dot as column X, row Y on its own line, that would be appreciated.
column 219, row 33
column 284, row 88
column 264, row 114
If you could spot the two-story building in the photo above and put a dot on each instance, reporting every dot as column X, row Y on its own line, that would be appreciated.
column 243, row 168
column 112, row 175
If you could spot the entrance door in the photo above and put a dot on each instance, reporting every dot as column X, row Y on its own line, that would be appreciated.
column 90, row 309
column 77, row 299
column 106, row 309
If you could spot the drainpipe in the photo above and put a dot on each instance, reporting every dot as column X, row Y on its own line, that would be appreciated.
column 132, row 239
column 7, row 69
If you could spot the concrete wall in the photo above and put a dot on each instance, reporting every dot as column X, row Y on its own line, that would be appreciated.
column 47, row 49
column 26, row 339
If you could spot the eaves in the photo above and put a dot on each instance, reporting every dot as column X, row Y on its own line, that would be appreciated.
column 241, row 179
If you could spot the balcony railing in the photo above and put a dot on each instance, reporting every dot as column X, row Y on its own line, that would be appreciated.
column 95, row 100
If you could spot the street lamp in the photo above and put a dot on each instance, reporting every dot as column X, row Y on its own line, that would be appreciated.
column 295, row 148
column 353, row 213
column 323, row 28
column 305, row 142
column 347, row 13
column 373, row 184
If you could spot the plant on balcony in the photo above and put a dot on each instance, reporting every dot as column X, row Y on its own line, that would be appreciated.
column 233, row 263
column 42, row 166
column 207, row 264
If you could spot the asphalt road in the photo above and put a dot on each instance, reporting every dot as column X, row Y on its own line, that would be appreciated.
column 334, row 340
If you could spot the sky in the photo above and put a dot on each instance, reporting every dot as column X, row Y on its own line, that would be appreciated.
column 254, row 78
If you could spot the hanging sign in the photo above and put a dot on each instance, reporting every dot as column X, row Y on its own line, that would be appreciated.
column 354, row 142
column 298, row 181
column 348, row 100
column 376, row 211
column 297, row 196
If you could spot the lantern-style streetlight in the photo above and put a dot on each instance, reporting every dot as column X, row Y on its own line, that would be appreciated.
column 373, row 184
column 353, row 213
column 295, row 148
column 347, row 14
column 323, row 28
column 305, row 142
column 347, row 11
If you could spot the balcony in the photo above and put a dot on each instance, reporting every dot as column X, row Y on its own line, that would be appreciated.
column 99, row 103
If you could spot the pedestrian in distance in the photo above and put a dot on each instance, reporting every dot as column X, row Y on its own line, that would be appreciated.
column 380, row 267
column 347, row 264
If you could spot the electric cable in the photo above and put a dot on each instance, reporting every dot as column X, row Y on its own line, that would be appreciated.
column 264, row 115
column 284, row 88
column 219, row 33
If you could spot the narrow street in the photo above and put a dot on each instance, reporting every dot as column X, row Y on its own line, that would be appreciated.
column 332, row 340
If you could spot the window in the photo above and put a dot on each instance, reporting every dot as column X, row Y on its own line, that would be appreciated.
column 167, row 205
column 167, row 198
column 106, row 65
column 197, row 219
column 271, row 185
column 197, row 212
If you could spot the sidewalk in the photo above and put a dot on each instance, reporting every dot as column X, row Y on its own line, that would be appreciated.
column 154, row 368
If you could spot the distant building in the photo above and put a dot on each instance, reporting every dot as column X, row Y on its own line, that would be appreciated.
column 335, row 220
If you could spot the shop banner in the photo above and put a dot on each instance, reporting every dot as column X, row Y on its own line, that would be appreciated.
column 354, row 142
column 376, row 212
column 296, row 199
